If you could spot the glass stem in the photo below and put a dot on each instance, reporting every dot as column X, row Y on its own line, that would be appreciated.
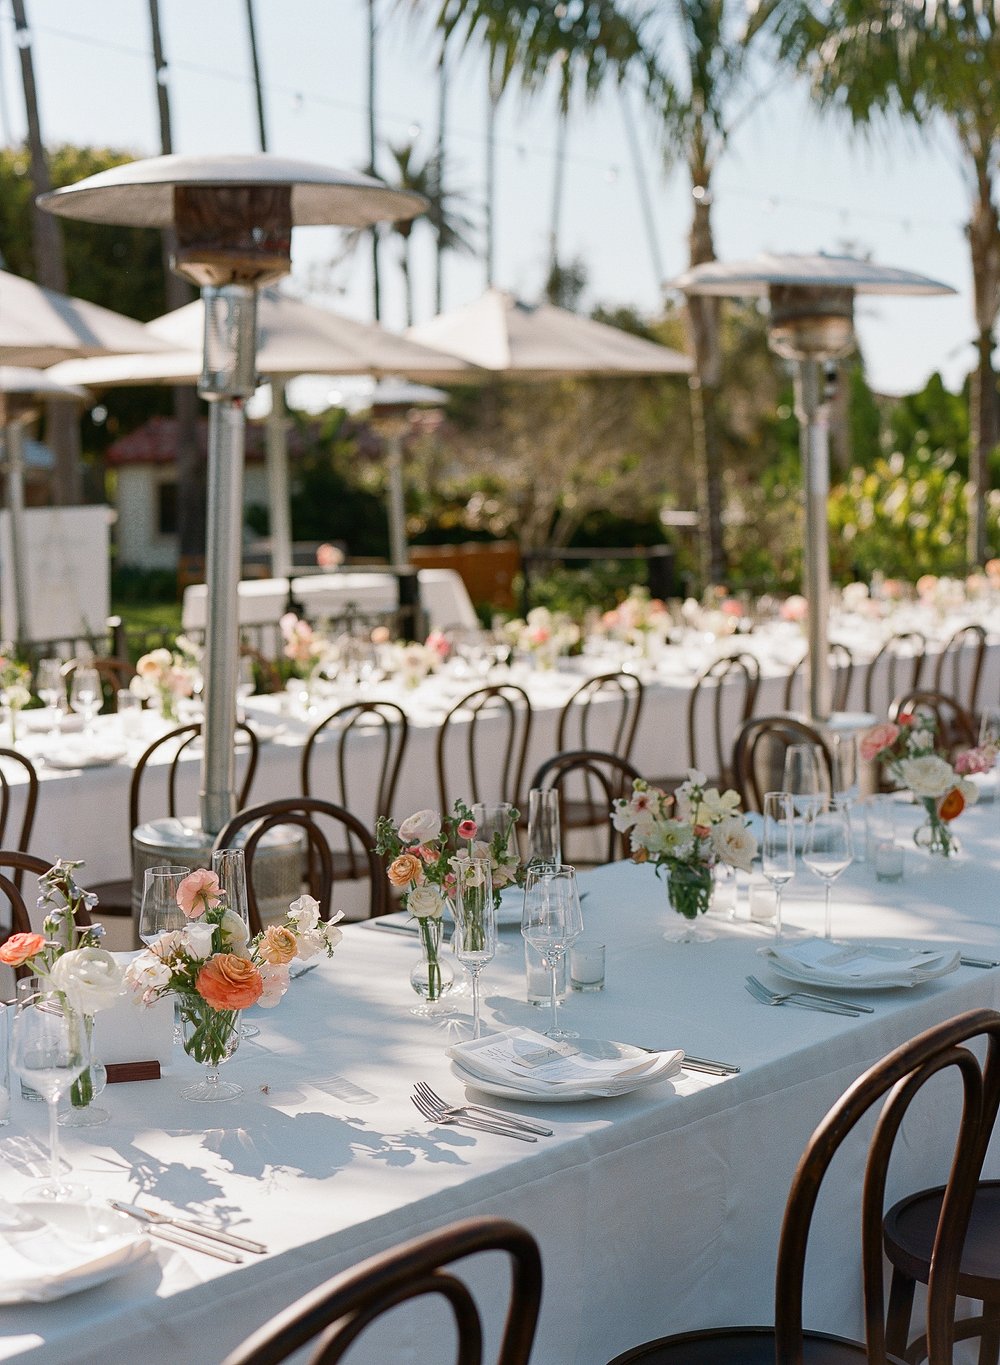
column 553, row 968
column 475, row 1004
column 777, row 909
column 827, row 917
column 54, row 1145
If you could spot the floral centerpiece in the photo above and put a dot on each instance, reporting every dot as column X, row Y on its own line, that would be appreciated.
column 67, row 957
column 306, row 647
column 686, row 835
column 428, row 853
column 638, row 619
column 543, row 635
column 15, row 693
column 163, row 677
column 216, row 970
column 907, row 751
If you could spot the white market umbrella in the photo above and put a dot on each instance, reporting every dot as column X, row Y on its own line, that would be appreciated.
column 41, row 326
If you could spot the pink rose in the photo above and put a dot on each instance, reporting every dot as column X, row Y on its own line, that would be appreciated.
column 978, row 760
column 467, row 829
column 198, row 892
column 878, row 738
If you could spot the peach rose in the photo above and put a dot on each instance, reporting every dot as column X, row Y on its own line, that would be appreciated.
column 198, row 892
column 878, row 738
column 406, row 869
column 19, row 947
column 279, row 944
column 228, row 982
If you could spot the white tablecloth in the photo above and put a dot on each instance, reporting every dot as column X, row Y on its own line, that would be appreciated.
column 655, row 1212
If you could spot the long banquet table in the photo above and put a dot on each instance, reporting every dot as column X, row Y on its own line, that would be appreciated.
column 655, row 1211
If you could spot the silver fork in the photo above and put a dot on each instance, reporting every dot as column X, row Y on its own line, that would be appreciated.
column 806, row 1002
column 480, row 1125
column 493, row 1115
column 854, row 1005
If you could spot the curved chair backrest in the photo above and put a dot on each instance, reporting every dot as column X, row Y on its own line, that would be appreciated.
column 895, row 668
column 956, row 728
column 759, row 744
column 900, row 1077
column 9, row 838
column 842, row 666
column 382, row 727
column 115, row 675
column 619, row 704
column 958, row 669
column 324, row 865
column 606, row 777
column 180, row 737
column 500, row 704
column 727, row 688
column 17, row 862
column 339, row 1311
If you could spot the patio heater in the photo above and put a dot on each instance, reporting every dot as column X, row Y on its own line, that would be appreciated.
column 811, row 323
column 233, row 218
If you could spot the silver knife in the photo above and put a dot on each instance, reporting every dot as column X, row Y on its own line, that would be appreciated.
column 978, row 962
column 181, row 1239
column 166, row 1220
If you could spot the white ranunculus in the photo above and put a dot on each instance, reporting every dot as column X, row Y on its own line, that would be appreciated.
column 90, row 979
column 234, row 931
column 929, row 775
column 425, row 902
column 197, row 938
column 734, row 843
column 422, row 827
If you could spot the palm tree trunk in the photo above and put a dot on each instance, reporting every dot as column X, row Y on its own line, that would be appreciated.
column 62, row 421
column 373, row 153
column 558, row 187
column 257, row 85
column 441, row 148
column 492, row 100
column 984, row 243
column 703, row 326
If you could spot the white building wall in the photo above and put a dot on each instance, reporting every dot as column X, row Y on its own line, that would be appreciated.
column 140, row 544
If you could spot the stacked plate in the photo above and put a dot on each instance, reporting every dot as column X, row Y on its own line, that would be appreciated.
column 520, row 1064
column 82, row 753
column 50, row 1250
column 859, row 966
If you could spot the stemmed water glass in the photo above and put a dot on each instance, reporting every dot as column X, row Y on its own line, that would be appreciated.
column 85, row 695
column 551, row 921
column 828, row 849
column 544, row 834
column 51, row 687
column 491, row 821
column 844, row 765
column 803, row 778
column 476, row 925
column 49, row 1052
column 229, row 865
column 778, row 847
column 159, row 912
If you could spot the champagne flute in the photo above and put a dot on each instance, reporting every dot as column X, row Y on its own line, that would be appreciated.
column 828, row 850
column 802, row 778
column 51, row 687
column 49, row 1053
column 475, row 916
column 229, row 865
column 85, row 695
column 551, row 921
column 778, row 847
column 844, row 764
column 159, row 912
column 491, row 821
column 544, row 835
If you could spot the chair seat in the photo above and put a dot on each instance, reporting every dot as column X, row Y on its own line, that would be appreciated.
column 742, row 1346
column 909, row 1234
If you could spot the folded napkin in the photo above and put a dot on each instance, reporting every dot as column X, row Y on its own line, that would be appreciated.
column 47, row 1253
column 530, row 1062
column 823, row 963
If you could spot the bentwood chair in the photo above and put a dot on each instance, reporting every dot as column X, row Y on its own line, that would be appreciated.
column 495, row 724
column 338, row 1312
column 721, row 700
column 759, row 755
column 898, row 1078
column 605, row 708
column 604, row 778
column 11, row 759
column 320, row 822
column 378, row 730
column 956, row 728
column 17, row 863
column 958, row 669
column 895, row 668
column 842, row 668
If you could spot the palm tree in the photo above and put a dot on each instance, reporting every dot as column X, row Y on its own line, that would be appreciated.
column 884, row 60
column 452, row 228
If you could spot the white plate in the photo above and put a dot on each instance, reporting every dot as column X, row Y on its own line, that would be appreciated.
column 940, row 963
column 50, row 1250
column 71, row 756
column 591, row 1047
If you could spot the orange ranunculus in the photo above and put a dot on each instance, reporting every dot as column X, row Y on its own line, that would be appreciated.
column 279, row 945
column 405, row 869
column 229, row 982
column 19, row 947
column 951, row 804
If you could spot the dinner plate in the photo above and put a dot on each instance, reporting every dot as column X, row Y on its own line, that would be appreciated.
column 896, row 976
column 51, row 1250
column 591, row 1047
column 71, row 756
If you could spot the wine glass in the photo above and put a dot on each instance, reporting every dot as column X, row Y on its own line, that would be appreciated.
column 85, row 695
column 989, row 726
column 844, row 765
column 49, row 1051
column 778, row 847
column 802, row 778
column 551, row 921
column 159, row 912
column 475, row 918
column 828, row 849
column 51, row 687
column 229, row 865
column 544, row 834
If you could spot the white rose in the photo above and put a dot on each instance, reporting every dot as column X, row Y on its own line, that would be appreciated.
column 423, row 827
column 734, row 843
column 425, row 902
column 928, row 775
column 235, row 933
column 196, row 937
column 90, row 979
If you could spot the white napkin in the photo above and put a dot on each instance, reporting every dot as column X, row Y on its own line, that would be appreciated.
column 534, row 1064
column 47, row 1256
column 860, row 964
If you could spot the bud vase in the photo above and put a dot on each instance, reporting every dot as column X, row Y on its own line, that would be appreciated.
column 82, row 1111
column 689, row 891
column 934, row 836
column 209, row 1036
column 431, row 977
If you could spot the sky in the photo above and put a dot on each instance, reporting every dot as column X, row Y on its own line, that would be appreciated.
column 791, row 180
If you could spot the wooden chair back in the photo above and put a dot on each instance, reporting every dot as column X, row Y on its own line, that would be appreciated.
column 115, row 675
column 383, row 727
column 895, row 668
column 618, row 698
column 500, row 705
column 338, row 1312
column 727, row 689
column 323, row 865
column 958, row 669
column 899, row 1077
column 956, row 728
column 18, row 863
column 10, row 838
column 605, row 778
column 176, row 742
column 842, row 667
column 760, row 743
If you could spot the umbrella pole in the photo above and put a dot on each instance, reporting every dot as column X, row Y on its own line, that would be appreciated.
column 399, row 550
column 14, row 440
column 812, row 412
column 278, row 506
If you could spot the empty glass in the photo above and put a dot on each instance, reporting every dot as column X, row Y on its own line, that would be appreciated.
column 544, row 835
column 49, row 1051
column 551, row 921
column 159, row 913
column 804, row 777
column 50, row 684
column 844, row 762
column 778, row 847
column 475, row 918
column 229, row 865
column 85, row 695
column 828, row 850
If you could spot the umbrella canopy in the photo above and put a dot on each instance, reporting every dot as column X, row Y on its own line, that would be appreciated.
column 501, row 334
column 40, row 326
column 292, row 338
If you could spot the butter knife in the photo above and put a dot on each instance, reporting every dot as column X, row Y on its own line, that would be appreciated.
column 165, row 1220
column 183, row 1239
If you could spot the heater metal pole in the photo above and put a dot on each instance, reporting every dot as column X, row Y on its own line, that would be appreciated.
column 812, row 412
column 14, row 440
column 399, row 550
column 277, row 484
